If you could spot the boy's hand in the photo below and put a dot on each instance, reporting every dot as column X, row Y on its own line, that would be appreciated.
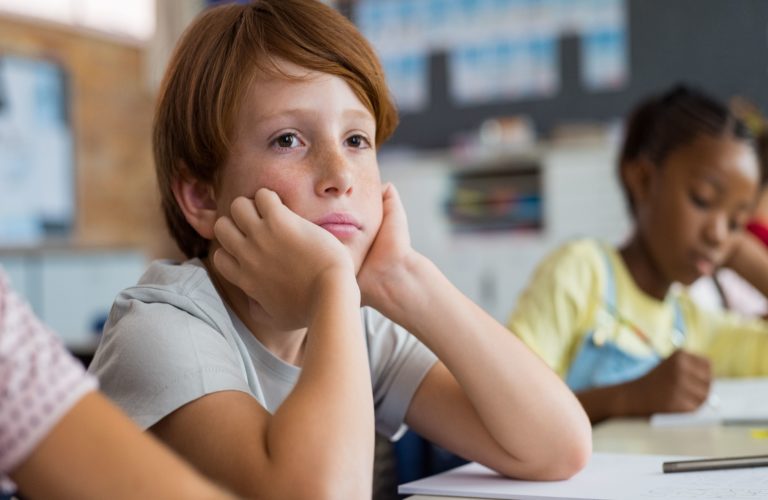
column 679, row 383
column 277, row 258
column 388, row 256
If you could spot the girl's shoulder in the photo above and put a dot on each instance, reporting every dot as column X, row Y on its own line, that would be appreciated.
column 582, row 259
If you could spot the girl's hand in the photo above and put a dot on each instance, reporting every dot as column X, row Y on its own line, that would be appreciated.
column 280, row 260
column 679, row 383
column 389, row 255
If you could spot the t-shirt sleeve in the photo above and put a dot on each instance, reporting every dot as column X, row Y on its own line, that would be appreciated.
column 737, row 345
column 399, row 362
column 155, row 358
column 39, row 380
column 558, row 303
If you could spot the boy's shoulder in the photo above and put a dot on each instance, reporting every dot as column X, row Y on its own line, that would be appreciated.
column 164, row 277
column 184, row 286
column 171, row 274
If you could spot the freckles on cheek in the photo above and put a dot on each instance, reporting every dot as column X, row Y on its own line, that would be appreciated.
column 282, row 186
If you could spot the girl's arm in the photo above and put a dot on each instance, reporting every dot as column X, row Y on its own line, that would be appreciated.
column 679, row 383
column 749, row 259
column 96, row 452
column 507, row 409
column 319, row 443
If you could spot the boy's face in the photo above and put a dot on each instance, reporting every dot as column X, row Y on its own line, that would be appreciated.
column 697, row 200
column 311, row 141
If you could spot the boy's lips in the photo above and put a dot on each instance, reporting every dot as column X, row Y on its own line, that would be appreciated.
column 339, row 224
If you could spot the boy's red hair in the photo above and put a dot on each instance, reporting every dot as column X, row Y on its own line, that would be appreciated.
column 212, row 68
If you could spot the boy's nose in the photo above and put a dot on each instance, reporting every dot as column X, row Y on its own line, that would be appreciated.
column 336, row 177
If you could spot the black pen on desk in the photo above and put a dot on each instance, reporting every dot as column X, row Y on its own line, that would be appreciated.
column 716, row 463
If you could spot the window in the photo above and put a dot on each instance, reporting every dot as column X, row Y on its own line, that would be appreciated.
column 36, row 152
column 133, row 19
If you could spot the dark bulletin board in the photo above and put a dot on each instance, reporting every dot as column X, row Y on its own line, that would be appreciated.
column 719, row 45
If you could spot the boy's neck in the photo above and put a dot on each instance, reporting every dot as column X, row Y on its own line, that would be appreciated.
column 287, row 345
column 643, row 269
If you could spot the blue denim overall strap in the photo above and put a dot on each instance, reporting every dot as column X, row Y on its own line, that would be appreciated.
column 599, row 360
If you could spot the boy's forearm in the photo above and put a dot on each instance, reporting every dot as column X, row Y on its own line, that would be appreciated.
column 508, row 385
column 325, row 428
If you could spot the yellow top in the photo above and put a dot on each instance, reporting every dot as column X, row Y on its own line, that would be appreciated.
column 565, row 301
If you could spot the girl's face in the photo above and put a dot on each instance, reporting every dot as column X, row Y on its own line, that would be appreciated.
column 700, row 196
column 310, row 140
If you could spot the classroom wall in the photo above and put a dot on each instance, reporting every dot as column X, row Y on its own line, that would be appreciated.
column 111, row 113
column 719, row 45
column 580, row 197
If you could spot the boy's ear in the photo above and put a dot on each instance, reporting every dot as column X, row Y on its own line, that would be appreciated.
column 637, row 176
column 197, row 201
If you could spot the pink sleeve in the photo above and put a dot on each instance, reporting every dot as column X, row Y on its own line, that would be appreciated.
column 759, row 228
column 39, row 380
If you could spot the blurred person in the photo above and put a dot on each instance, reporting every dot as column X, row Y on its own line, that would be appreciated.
column 614, row 323
column 731, row 287
column 61, row 438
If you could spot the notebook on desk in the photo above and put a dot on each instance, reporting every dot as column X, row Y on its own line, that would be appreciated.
column 736, row 401
column 608, row 476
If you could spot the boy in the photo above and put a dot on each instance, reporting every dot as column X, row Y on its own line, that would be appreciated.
column 251, row 359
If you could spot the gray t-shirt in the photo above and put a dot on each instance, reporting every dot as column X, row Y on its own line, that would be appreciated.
column 171, row 339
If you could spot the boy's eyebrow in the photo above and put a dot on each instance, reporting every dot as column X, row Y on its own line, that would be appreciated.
column 304, row 112
column 358, row 113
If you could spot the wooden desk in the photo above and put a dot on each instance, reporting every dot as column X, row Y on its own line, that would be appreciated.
column 637, row 436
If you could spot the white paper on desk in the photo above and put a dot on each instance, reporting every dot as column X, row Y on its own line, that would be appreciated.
column 731, row 401
column 608, row 476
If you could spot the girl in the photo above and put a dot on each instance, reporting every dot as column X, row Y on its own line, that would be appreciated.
column 610, row 321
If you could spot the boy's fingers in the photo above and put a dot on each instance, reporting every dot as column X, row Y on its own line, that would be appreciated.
column 226, row 264
column 388, row 190
column 243, row 213
column 227, row 234
column 393, row 206
column 267, row 201
column 391, row 198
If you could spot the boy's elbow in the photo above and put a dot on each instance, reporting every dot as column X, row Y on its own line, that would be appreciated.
column 327, row 487
column 570, row 461
column 556, row 462
column 573, row 454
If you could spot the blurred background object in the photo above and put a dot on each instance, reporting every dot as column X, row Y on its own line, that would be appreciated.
column 79, row 214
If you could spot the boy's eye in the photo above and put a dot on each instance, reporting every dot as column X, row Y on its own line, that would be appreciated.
column 287, row 141
column 358, row 141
